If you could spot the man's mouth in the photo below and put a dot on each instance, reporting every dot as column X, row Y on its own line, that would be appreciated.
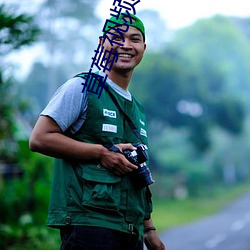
column 125, row 55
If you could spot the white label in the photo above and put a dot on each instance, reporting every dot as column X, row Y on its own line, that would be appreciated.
column 109, row 113
column 109, row 128
column 142, row 122
column 143, row 132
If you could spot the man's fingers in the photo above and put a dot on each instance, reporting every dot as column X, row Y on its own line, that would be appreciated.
column 118, row 163
column 124, row 146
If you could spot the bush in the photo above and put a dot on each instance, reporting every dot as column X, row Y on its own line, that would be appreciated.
column 24, row 204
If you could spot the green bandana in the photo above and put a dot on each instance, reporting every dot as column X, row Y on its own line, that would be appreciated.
column 136, row 22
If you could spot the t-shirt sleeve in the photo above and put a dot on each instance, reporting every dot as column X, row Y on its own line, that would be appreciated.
column 68, row 105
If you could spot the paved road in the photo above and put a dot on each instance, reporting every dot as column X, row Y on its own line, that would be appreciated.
column 226, row 230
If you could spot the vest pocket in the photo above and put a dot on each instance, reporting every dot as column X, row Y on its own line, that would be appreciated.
column 101, row 188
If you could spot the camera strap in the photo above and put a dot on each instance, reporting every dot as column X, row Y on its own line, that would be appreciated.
column 125, row 116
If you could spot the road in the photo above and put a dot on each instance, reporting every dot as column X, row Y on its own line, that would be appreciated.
column 227, row 230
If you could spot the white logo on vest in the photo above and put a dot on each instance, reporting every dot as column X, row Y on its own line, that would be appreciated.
column 143, row 132
column 109, row 113
column 109, row 128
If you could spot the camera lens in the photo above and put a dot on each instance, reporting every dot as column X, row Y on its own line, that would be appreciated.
column 144, row 176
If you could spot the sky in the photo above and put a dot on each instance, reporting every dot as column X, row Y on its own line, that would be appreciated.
column 181, row 13
column 176, row 14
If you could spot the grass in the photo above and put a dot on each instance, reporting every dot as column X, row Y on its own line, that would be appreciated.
column 170, row 213
column 167, row 214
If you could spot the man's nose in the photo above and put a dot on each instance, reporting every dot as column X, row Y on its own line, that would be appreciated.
column 126, row 44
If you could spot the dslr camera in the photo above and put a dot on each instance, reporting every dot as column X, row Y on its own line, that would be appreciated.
column 142, row 176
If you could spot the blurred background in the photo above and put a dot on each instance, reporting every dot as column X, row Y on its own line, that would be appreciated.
column 194, row 82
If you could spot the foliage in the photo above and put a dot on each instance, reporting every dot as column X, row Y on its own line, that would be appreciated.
column 219, row 49
column 73, row 38
column 15, row 30
column 8, row 107
column 69, row 30
column 24, row 235
column 24, row 202
column 36, row 81
column 31, row 192
column 195, row 91
column 243, row 24
column 229, row 113
column 153, row 40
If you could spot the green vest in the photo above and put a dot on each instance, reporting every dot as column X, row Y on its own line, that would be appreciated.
column 86, row 193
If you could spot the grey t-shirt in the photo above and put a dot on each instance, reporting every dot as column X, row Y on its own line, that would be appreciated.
column 68, row 106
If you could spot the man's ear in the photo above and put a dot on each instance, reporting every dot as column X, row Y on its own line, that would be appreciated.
column 101, row 40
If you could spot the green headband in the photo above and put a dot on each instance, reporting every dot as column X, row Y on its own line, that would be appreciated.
column 136, row 22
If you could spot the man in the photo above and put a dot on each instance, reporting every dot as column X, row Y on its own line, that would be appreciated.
column 95, row 202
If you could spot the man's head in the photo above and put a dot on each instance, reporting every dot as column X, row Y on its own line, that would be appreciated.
column 126, row 38
column 124, row 19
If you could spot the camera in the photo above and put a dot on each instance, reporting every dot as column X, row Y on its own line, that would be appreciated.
column 142, row 176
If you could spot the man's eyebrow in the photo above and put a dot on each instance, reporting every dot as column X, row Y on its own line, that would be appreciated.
column 136, row 34
column 115, row 33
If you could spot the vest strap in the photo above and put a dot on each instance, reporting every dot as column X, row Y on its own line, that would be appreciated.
column 125, row 116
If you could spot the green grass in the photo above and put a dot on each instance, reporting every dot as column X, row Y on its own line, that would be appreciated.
column 167, row 214
column 170, row 213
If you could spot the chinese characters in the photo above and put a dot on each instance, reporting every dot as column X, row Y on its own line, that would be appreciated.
column 119, row 22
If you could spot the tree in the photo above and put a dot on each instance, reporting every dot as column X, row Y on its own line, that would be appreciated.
column 155, row 41
column 196, row 94
column 16, row 31
column 186, row 83
column 69, row 36
column 68, row 30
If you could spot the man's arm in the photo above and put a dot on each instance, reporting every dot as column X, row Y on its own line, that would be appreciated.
column 47, row 138
column 151, row 239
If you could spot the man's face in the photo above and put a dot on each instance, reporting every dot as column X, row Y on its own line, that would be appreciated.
column 131, row 53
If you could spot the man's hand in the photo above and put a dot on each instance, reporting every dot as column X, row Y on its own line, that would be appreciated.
column 152, row 241
column 116, row 162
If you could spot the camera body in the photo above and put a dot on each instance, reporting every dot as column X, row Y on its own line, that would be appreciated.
column 142, row 177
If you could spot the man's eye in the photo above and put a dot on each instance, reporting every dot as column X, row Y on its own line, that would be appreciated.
column 117, row 38
column 136, row 39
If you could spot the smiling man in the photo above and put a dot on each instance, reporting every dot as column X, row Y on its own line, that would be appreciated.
column 130, row 53
column 95, row 198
